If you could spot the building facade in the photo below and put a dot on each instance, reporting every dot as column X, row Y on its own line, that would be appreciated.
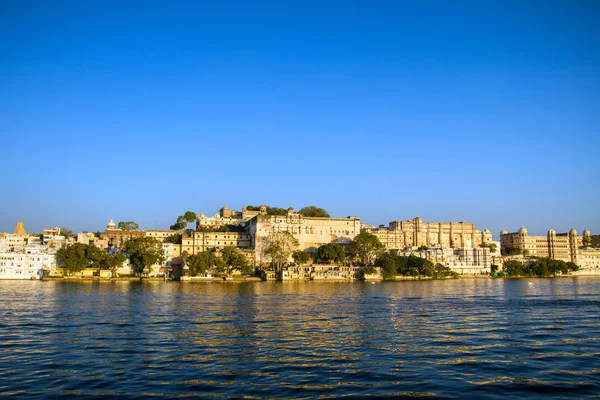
column 311, row 232
column 463, row 260
column 567, row 247
column 199, row 242
column 229, row 217
column 416, row 233
column 34, row 262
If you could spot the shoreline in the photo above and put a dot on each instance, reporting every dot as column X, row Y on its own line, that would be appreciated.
column 256, row 279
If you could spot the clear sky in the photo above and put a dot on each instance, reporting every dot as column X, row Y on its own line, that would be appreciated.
column 479, row 111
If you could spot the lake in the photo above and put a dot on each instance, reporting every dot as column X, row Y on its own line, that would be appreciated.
column 465, row 338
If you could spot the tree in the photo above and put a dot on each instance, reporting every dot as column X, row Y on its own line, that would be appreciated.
column 234, row 260
column 75, row 257
column 279, row 246
column 510, row 251
column 175, row 238
column 66, row 232
column 367, row 247
column 78, row 257
column 441, row 271
column 389, row 263
column 491, row 246
column 179, row 225
column 189, row 217
column 183, row 221
column 514, row 268
column 300, row 257
column 330, row 253
column 127, row 226
column 144, row 252
column 314, row 211
column 423, row 248
column 571, row 266
column 201, row 263
column 111, row 262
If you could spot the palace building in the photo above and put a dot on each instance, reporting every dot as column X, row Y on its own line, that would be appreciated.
column 311, row 232
column 416, row 233
column 568, row 247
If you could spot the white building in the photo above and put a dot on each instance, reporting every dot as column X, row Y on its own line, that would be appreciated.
column 464, row 260
column 33, row 263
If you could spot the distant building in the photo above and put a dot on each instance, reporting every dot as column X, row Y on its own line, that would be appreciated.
column 32, row 262
column 20, row 229
column 568, row 247
column 228, row 217
column 214, row 241
column 311, row 232
column 53, row 238
column 85, row 238
column 416, row 233
column 463, row 260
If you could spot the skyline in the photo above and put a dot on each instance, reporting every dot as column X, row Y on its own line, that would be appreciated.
column 467, row 112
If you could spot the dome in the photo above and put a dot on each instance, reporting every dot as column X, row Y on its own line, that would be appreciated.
column 552, row 232
column 291, row 209
column 503, row 232
column 573, row 232
column 523, row 230
column 587, row 233
column 487, row 231
column 111, row 225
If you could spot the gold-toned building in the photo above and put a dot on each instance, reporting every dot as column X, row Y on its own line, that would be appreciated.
column 416, row 233
column 311, row 232
column 214, row 241
column 568, row 247
column 228, row 217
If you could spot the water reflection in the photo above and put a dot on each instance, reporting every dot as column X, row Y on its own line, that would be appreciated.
column 462, row 338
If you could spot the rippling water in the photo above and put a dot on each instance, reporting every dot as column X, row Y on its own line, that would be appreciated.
column 449, row 339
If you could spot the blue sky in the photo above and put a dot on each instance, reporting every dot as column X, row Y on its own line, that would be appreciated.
column 475, row 111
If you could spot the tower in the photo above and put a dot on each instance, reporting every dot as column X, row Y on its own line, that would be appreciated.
column 20, row 228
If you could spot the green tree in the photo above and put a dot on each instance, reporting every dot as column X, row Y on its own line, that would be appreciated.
column 75, row 257
column 366, row 247
column 491, row 246
column 441, row 271
column 234, row 260
column 314, row 211
column 201, row 263
column 423, row 248
column 127, row 226
column 389, row 263
column 279, row 246
column 571, row 266
column 510, row 251
column 189, row 217
column 144, row 252
column 514, row 268
column 175, row 238
column 110, row 262
column 78, row 257
column 300, row 257
column 66, row 232
column 179, row 225
column 330, row 253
